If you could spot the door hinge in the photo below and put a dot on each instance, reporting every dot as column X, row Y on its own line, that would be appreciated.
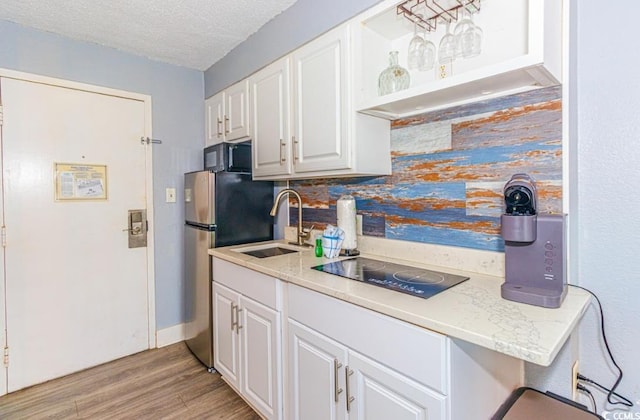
column 5, row 357
column 3, row 233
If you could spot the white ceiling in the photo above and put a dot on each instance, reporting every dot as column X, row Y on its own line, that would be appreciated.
column 189, row 33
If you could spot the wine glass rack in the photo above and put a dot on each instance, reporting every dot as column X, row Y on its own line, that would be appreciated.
column 427, row 13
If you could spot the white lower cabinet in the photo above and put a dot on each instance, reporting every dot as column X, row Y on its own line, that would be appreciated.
column 380, row 393
column 226, row 339
column 328, row 381
column 248, row 336
column 316, row 381
column 348, row 362
column 342, row 361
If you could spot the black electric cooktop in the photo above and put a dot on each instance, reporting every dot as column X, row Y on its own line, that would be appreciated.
column 402, row 278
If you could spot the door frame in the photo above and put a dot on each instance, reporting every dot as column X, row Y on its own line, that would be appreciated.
column 146, row 100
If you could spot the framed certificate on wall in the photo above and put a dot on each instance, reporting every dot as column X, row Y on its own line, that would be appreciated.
column 80, row 182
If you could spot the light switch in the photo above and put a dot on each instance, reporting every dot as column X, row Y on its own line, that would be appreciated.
column 171, row 195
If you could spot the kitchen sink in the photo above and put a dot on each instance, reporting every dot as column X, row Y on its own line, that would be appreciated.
column 267, row 250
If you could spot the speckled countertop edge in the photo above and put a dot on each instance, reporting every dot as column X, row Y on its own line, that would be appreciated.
column 472, row 311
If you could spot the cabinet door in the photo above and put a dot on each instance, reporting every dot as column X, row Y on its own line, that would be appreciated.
column 321, row 97
column 381, row 394
column 270, row 120
column 316, row 375
column 236, row 120
column 261, row 336
column 214, row 119
column 225, row 337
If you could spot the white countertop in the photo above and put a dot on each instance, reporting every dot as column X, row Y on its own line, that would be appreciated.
column 472, row 311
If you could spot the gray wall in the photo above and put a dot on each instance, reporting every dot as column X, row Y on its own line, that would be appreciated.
column 302, row 22
column 178, row 119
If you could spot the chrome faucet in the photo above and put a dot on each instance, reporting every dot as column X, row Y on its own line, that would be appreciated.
column 302, row 235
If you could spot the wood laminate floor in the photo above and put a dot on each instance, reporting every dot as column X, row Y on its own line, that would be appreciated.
column 166, row 383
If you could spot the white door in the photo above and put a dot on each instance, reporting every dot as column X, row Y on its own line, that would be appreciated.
column 3, row 336
column 225, row 337
column 261, row 374
column 316, row 375
column 380, row 393
column 76, row 294
column 270, row 120
column 320, row 103
column 236, row 109
column 214, row 117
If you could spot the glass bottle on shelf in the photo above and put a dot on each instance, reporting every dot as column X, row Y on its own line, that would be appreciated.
column 393, row 78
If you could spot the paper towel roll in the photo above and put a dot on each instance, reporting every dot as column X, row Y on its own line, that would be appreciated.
column 346, row 209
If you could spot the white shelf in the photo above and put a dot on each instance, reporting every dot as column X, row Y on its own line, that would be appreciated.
column 521, row 51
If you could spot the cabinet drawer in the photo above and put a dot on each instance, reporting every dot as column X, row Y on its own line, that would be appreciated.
column 258, row 286
column 415, row 352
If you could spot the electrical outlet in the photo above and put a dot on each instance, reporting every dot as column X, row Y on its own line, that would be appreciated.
column 574, row 381
column 358, row 224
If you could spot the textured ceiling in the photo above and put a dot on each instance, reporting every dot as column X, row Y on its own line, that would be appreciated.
column 189, row 33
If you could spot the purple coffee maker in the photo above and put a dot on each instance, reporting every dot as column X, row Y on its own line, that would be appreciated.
column 534, row 246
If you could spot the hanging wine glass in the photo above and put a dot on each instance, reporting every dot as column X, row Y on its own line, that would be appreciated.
column 429, row 54
column 447, row 48
column 417, row 47
column 470, row 43
column 463, row 23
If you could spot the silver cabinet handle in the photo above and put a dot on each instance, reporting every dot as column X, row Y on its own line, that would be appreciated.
column 295, row 148
column 348, row 372
column 233, row 314
column 282, row 146
column 336, row 389
column 226, row 125
column 219, row 127
column 238, row 326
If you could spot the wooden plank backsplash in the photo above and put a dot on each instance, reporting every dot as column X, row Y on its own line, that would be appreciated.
column 448, row 171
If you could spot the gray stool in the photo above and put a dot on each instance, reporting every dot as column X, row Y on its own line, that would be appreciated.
column 527, row 404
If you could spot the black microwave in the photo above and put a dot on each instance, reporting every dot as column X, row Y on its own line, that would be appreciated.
column 228, row 157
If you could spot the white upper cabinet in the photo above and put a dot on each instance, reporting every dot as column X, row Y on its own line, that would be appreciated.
column 236, row 122
column 521, row 50
column 320, row 101
column 304, row 122
column 227, row 115
column 270, row 119
column 214, row 119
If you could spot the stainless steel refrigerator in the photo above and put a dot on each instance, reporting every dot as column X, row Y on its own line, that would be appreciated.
column 221, row 209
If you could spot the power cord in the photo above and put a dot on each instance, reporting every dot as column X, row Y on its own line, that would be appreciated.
column 611, row 391
column 592, row 382
column 586, row 391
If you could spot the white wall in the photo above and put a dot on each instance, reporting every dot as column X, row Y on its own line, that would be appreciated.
column 608, row 167
column 604, row 98
column 177, row 96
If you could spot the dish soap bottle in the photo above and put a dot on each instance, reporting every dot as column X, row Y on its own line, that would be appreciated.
column 318, row 249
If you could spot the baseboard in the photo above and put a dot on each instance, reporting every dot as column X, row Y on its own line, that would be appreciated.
column 170, row 335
